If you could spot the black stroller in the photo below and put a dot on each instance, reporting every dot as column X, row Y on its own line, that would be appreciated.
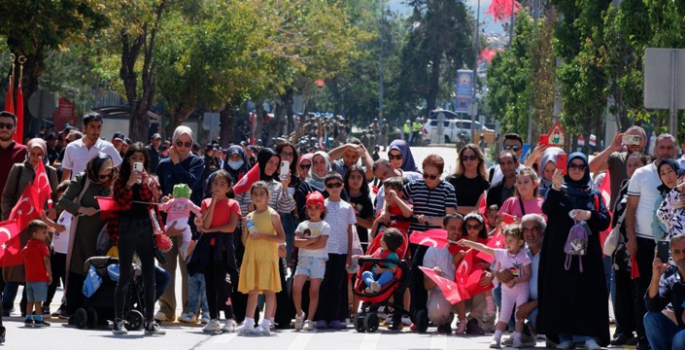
column 99, row 307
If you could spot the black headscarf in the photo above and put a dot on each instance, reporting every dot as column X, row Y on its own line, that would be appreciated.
column 663, row 189
column 581, row 193
column 262, row 158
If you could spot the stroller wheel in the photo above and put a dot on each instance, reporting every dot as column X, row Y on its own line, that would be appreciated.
column 359, row 323
column 92, row 320
column 371, row 322
column 81, row 318
column 422, row 321
column 134, row 320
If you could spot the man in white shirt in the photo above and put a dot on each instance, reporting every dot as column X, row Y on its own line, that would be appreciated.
column 80, row 152
column 383, row 170
column 642, row 196
column 512, row 142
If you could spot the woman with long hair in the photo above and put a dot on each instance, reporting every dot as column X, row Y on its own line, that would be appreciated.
column 470, row 178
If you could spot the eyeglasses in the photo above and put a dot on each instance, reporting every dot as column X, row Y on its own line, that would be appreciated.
column 391, row 157
column 580, row 167
column 8, row 126
column 334, row 185
column 513, row 148
column 466, row 158
column 184, row 144
column 305, row 166
column 473, row 227
column 430, row 176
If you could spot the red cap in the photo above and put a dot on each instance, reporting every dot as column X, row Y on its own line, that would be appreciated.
column 315, row 199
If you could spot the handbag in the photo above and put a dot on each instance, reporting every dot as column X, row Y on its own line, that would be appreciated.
column 611, row 242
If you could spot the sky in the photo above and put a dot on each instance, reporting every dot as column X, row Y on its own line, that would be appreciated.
column 400, row 6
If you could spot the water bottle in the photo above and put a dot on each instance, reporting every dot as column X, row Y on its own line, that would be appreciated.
column 251, row 228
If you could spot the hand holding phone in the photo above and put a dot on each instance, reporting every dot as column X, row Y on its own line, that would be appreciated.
column 285, row 169
column 663, row 251
column 562, row 163
column 544, row 140
column 631, row 139
column 138, row 166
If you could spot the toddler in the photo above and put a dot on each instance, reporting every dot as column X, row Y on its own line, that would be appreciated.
column 38, row 273
column 382, row 273
column 179, row 208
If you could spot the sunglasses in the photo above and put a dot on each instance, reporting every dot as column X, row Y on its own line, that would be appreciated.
column 430, row 176
column 334, row 185
column 391, row 157
column 8, row 126
column 305, row 166
column 184, row 144
column 510, row 147
column 580, row 167
column 107, row 176
column 473, row 227
column 466, row 158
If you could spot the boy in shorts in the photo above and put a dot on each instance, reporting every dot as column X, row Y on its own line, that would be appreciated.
column 38, row 273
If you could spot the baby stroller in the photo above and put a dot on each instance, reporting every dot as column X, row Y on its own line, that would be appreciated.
column 367, row 319
column 99, row 306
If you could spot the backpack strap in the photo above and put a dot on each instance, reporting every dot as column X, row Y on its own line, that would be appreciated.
column 523, row 210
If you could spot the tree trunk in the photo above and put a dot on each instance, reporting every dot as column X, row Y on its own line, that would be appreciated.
column 178, row 116
column 259, row 126
column 227, row 133
column 434, row 87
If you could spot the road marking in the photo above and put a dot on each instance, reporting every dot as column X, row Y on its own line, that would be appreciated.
column 225, row 338
column 370, row 341
column 301, row 341
column 438, row 341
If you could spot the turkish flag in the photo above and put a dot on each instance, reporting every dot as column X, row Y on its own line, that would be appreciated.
column 634, row 271
column 27, row 208
column 432, row 238
column 468, row 274
column 605, row 192
column 483, row 205
column 19, row 132
column 42, row 184
column 449, row 289
column 108, row 207
column 495, row 242
column 248, row 179
column 10, row 244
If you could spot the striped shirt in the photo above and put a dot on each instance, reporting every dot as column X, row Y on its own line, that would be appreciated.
column 339, row 215
column 280, row 200
column 429, row 202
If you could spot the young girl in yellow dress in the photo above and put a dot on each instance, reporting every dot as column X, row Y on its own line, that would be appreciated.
column 262, row 232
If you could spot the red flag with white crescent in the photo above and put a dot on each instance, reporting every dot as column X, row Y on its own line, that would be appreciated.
column 432, row 238
column 9, row 99
column 27, row 208
column 495, row 242
column 450, row 290
column 605, row 192
column 468, row 275
column 42, row 184
column 247, row 180
column 10, row 244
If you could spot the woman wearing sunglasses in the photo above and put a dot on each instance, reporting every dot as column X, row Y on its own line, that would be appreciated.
column 321, row 165
column 399, row 154
column 79, row 200
column 182, row 167
column 470, row 179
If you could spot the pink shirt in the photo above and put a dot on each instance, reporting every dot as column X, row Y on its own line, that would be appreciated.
column 512, row 207
column 179, row 208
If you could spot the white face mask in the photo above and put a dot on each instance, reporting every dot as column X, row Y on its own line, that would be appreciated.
column 235, row 165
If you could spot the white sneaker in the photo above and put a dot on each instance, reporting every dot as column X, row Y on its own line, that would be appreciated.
column 308, row 326
column 246, row 328
column 212, row 327
column 160, row 316
column 375, row 286
column 592, row 345
column 299, row 321
column 406, row 320
column 494, row 344
column 229, row 326
column 188, row 318
column 264, row 327
column 517, row 343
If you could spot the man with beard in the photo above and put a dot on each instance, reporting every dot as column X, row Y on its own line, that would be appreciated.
column 10, row 151
column 351, row 152
column 501, row 191
column 667, row 287
column 80, row 152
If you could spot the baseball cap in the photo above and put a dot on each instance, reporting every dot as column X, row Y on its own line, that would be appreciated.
column 210, row 147
column 315, row 199
column 51, row 136
column 156, row 136
column 118, row 135
column 128, row 141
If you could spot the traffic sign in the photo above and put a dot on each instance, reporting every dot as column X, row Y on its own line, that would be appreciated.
column 556, row 135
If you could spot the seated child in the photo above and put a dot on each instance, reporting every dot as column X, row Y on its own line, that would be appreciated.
column 382, row 273
column 179, row 208
column 396, row 208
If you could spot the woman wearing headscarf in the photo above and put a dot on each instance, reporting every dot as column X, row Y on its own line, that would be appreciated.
column 546, row 168
column 399, row 154
column 79, row 200
column 573, row 301
column 182, row 167
column 665, row 206
column 236, row 164
column 321, row 165
column 304, row 164
column 20, row 176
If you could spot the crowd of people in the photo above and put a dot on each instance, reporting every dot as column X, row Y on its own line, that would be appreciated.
column 256, row 239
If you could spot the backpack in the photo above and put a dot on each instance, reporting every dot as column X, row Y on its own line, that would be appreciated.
column 576, row 244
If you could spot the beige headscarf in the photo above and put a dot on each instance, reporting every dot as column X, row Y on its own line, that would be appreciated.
column 37, row 142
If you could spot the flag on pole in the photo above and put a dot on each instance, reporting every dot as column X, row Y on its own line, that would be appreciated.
column 10, row 244
column 24, row 211
column 469, row 274
column 9, row 100
column 42, row 184
column 19, row 131
column 495, row 242
column 247, row 180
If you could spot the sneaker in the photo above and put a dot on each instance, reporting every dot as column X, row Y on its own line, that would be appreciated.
column 517, row 343
column 28, row 322
column 406, row 320
column 473, row 328
column 299, row 321
column 494, row 344
column 623, row 339
column 188, row 318
column 337, row 325
column 308, row 326
column 508, row 342
column 375, row 286
column 528, row 341
column 46, row 310
column 41, row 323
column 229, row 326
column 565, row 345
column 64, row 315
column 264, row 327
column 161, row 317
column 153, row 328
column 368, row 290
column 119, row 327
column 592, row 345
column 321, row 324
column 246, row 328
column 212, row 327
column 205, row 319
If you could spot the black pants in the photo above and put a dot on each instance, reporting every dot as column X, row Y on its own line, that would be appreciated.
column 58, row 263
column 336, row 275
column 644, row 257
column 219, row 287
column 135, row 237
column 74, row 292
column 625, row 302
column 419, row 295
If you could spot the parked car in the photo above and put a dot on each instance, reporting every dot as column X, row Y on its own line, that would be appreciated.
column 454, row 130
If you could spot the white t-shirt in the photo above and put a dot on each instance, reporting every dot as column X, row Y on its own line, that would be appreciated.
column 313, row 229
column 77, row 155
column 644, row 184
column 441, row 258
column 60, row 240
column 339, row 215
column 380, row 197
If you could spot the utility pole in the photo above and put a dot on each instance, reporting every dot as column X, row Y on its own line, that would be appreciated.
column 380, row 87
column 536, row 16
column 474, row 101
column 511, row 24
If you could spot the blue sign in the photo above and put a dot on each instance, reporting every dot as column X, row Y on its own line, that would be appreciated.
column 525, row 154
column 464, row 91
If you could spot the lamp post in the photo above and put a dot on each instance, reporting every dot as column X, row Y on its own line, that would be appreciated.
column 474, row 102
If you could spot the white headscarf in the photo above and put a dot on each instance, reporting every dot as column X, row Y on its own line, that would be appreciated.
column 180, row 130
column 315, row 180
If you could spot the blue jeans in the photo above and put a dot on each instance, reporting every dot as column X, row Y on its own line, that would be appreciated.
column 611, row 286
column 574, row 338
column 197, row 292
column 382, row 279
column 162, row 279
column 289, row 226
column 662, row 333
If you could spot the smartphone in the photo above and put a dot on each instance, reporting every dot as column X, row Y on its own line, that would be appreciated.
column 562, row 161
column 138, row 166
column 285, row 169
column 663, row 251
column 631, row 140
column 544, row 140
